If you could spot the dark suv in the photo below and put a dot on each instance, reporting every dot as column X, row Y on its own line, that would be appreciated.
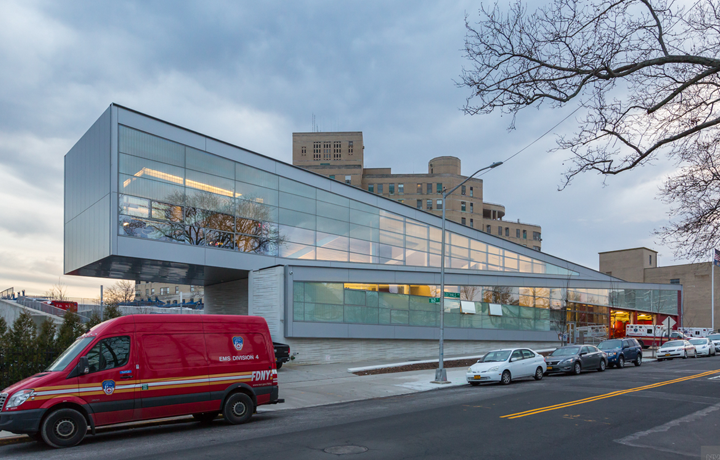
column 620, row 351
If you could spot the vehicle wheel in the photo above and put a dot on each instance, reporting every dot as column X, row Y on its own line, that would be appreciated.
column 685, row 355
column 695, row 354
column 642, row 344
column 506, row 378
column 538, row 373
column 205, row 417
column 238, row 408
column 474, row 383
column 577, row 368
column 278, row 365
column 63, row 428
column 602, row 365
column 638, row 361
column 621, row 362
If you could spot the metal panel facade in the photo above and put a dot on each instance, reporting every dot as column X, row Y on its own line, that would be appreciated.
column 87, row 201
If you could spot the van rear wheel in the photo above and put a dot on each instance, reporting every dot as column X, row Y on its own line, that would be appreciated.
column 63, row 428
column 238, row 408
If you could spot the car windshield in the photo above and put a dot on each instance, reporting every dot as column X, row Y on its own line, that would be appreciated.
column 714, row 337
column 698, row 341
column 673, row 343
column 610, row 344
column 496, row 356
column 568, row 351
column 69, row 354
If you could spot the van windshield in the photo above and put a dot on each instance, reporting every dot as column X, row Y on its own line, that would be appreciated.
column 69, row 354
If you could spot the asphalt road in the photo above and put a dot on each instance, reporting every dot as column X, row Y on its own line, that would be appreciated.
column 665, row 410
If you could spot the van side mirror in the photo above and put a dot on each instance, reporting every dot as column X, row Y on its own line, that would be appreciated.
column 83, row 366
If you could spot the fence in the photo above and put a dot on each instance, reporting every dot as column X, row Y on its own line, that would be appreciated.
column 45, row 308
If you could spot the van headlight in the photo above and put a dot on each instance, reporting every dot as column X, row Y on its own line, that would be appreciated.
column 19, row 398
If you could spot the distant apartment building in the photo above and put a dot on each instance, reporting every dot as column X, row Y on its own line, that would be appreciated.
column 168, row 292
column 340, row 156
column 639, row 265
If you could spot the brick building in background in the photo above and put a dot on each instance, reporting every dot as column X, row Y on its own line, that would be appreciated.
column 639, row 265
column 340, row 156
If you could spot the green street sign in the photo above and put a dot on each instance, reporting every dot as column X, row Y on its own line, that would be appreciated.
column 434, row 300
column 452, row 294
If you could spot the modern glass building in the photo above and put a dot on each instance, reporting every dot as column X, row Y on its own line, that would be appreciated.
column 337, row 271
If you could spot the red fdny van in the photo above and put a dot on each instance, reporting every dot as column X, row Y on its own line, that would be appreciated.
column 141, row 367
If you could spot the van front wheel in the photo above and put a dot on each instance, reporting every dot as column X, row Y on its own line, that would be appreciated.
column 63, row 428
column 238, row 408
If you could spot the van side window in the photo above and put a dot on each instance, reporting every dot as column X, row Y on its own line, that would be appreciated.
column 109, row 354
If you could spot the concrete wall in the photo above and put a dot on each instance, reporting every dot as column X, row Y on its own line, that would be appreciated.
column 230, row 298
column 319, row 351
column 10, row 311
column 267, row 299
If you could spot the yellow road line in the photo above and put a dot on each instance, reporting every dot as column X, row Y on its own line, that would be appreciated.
column 606, row 395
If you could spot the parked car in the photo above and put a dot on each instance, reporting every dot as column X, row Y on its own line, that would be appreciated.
column 715, row 338
column 506, row 365
column 703, row 346
column 141, row 367
column 620, row 351
column 282, row 353
column 676, row 349
column 574, row 358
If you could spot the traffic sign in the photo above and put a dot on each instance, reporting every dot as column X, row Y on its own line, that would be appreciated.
column 434, row 300
column 669, row 322
column 452, row 294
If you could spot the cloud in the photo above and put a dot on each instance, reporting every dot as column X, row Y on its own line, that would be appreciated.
column 251, row 74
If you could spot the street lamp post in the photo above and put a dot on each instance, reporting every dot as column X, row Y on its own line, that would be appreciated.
column 441, row 373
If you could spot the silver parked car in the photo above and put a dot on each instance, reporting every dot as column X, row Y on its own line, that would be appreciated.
column 676, row 349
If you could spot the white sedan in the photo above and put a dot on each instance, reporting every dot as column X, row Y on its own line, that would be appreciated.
column 506, row 365
column 703, row 346
column 676, row 349
column 715, row 338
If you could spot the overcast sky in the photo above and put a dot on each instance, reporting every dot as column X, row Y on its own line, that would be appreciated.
column 252, row 74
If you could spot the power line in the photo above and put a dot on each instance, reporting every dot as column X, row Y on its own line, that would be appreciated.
column 533, row 142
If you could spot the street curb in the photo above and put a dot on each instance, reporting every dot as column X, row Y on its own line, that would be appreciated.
column 352, row 370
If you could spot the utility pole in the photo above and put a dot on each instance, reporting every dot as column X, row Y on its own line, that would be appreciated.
column 441, row 373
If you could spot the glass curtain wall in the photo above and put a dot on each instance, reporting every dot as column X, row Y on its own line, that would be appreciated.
column 521, row 308
column 175, row 193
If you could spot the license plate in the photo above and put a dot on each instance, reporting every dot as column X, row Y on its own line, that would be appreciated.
column 549, row 367
column 667, row 354
column 477, row 377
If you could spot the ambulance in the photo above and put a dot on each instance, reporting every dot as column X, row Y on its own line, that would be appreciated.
column 142, row 367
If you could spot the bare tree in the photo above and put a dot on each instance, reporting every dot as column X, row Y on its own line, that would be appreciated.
column 57, row 291
column 645, row 72
column 121, row 292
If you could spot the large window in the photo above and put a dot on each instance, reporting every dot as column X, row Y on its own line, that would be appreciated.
column 176, row 194
column 522, row 308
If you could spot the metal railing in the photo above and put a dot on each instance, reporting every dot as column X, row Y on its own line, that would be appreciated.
column 8, row 293
column 49, row 309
